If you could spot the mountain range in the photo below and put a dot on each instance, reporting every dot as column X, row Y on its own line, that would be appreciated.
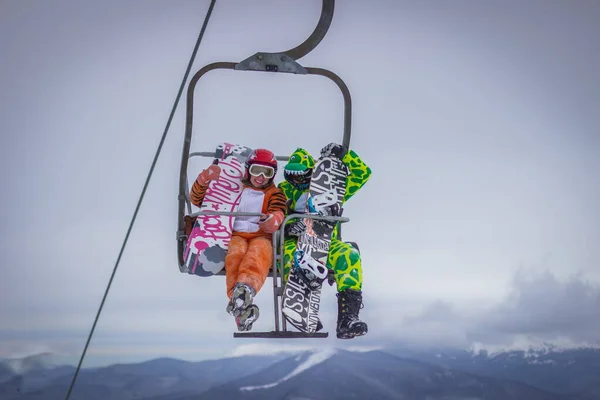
column 392, row 373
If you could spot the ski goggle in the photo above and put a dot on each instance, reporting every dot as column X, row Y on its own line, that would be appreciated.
column 265, row 170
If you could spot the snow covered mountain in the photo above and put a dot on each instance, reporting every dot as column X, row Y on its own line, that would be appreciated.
column 370, row 375
column 574, row 372
column 397, row 373
column 153, row 378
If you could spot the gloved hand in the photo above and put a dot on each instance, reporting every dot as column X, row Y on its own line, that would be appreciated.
column 330, row 277
column 270, row 223
column 334, row 150
column 295, row 228
column 209, row 174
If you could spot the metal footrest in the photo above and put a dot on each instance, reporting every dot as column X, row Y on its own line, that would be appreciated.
column 280, row 335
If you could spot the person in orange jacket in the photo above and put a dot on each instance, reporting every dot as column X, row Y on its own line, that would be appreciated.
column 250, row 252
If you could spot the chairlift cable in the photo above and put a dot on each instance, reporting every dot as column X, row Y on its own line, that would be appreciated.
column 185, row 77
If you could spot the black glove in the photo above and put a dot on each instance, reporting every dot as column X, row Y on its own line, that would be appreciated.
column 334, row 150
column 295, row 228
column 330, row 277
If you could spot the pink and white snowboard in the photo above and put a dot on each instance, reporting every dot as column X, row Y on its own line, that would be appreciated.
column 208, row 242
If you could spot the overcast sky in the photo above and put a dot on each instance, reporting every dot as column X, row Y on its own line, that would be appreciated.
column 480, row 121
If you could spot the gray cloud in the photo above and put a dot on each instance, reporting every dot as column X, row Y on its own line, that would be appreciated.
column 539, row 308
column 543, row 306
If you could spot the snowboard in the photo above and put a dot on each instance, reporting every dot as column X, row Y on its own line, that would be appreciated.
column 209, row 239
column 326, row 193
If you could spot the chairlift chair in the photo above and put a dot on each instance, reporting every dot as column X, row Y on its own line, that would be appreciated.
column 283, row 62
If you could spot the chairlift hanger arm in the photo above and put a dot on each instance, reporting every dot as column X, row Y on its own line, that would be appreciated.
column 285, row 61
column 318, row 34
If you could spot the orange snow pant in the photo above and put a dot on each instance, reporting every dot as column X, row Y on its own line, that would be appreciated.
column 248, row 261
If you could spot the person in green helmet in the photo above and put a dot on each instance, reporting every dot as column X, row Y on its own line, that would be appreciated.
column 344, row 261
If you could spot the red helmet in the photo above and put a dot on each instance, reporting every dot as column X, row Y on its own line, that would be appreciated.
column 262, row 157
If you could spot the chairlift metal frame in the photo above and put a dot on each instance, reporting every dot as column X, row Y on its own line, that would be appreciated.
column 283, row 62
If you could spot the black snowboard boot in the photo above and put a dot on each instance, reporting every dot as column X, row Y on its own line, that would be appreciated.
column 348, row 324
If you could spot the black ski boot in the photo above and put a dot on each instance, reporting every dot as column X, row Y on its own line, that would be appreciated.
column 348, row 324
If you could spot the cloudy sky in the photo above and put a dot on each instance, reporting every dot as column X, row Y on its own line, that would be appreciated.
column 479, row 119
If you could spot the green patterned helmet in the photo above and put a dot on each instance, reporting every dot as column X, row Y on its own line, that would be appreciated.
column 299, row 169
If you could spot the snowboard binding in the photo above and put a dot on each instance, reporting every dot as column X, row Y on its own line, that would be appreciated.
column 312, row 272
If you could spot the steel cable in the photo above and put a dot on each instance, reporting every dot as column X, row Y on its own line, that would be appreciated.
column 185, row 77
